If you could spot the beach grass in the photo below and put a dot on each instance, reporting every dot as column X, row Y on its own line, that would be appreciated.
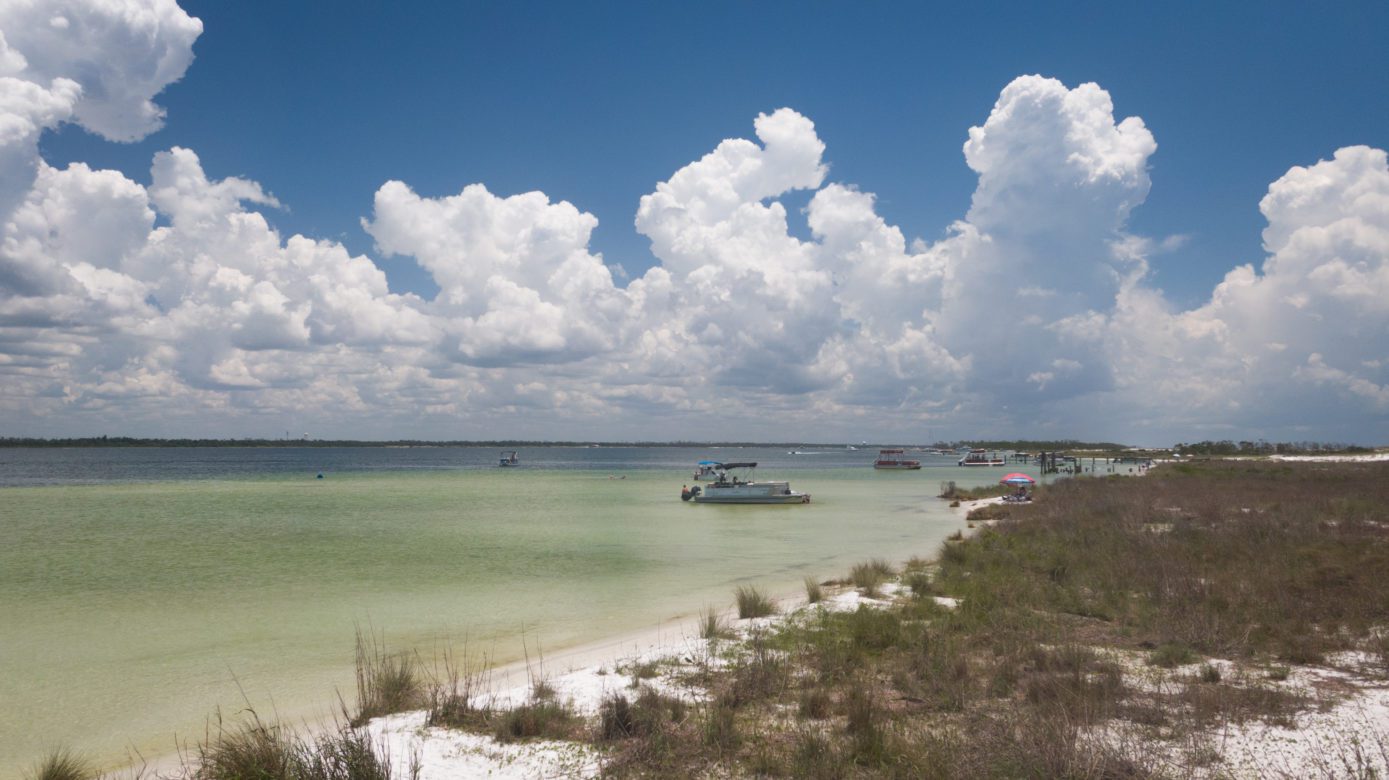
column 260, row 750
column 950, row 491
column 712, row 625
column 456, row 693
column 386, row 682
column 870, row 575
column 753, row 603
column 62, row 764
column 536, row 719
column 1064, row 612
column 1061, row 605
column 814, row 592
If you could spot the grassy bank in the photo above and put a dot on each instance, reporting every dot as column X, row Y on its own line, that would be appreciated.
column 1107, row 631
column 1114, row 628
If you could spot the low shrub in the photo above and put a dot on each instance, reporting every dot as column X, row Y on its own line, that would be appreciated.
column 814, row 703
column 719, row 727
column 1171, row 655
column 536, row 719
column 622, row 718
column 920, row 583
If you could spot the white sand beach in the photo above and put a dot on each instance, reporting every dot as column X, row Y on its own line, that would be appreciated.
column 1342, row 735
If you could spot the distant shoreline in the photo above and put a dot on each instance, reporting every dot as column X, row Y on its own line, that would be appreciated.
column 129, row 441
column 399, row 443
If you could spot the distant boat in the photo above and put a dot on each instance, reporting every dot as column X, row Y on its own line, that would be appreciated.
column 980, row 458
column 509, row 458
column 731, row 489
column 894, row 460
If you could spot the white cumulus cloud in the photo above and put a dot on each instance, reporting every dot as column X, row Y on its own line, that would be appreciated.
column 177, row 307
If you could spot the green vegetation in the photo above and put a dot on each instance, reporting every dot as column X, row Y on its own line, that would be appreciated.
column 814, row 592
column 1171, row 655
column 949, row 490
column 1060, row 602
column 712, row 625
column 386, row 682
column 255, row 750
column 62, row 765
column 1059, row 445
column 868, row 576
column 753, row 603
column 1261, row 447
column 1062, row 606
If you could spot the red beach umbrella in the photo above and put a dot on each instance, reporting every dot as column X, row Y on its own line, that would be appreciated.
column 1017, row 479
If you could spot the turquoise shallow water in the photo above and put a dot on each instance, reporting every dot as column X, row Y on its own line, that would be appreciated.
column 132, row 609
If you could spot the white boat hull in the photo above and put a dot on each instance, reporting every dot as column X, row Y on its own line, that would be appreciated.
column 751, row 493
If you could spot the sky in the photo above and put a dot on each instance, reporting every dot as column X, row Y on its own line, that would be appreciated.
column 771, row 221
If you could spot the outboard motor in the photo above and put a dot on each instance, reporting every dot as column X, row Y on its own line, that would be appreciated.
column 688, row 493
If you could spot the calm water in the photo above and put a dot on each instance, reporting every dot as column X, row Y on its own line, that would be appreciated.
column 140, row 589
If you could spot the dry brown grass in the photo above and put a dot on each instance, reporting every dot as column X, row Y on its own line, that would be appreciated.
column 1009, row 684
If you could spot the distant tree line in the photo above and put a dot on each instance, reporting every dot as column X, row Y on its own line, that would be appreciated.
column 1261, row 447
column 130, row 441
column 1060, row 445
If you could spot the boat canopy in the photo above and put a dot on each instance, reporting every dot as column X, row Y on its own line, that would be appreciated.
column 709, row 463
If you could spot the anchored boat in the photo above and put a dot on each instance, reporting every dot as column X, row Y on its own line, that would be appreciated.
column 738, row 488
column 981, row 458
column 895, row 460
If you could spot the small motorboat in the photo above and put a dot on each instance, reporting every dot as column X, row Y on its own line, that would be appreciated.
column 895, row 460
column 979, row 457
column 509, row 458
column 734, row 489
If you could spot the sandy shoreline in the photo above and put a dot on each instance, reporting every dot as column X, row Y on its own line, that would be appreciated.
column 1352, row 719
column 585, row 672
column 583, row 676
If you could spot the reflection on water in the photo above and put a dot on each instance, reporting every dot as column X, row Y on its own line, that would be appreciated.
column 139, row 589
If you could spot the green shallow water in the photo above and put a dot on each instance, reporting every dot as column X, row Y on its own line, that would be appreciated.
column 131, row 611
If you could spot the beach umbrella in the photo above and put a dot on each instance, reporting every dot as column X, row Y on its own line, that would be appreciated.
column 1017, row 479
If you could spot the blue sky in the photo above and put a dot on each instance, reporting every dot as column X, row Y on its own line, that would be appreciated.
column 625, row 220
column 596, row 102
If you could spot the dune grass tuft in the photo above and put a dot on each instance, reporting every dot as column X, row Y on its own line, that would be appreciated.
column 1171, row 655
column 753, row 603
column 869, row 575
column 386, row 682
column 813, row 592
column 256, row 750
column 62, row 764
column 712, row 625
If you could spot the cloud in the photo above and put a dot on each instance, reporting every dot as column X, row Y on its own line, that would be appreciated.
column 121, row 52
column 176, row 307
column 517, row 283
column 1304, row 336
column 98, row 64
